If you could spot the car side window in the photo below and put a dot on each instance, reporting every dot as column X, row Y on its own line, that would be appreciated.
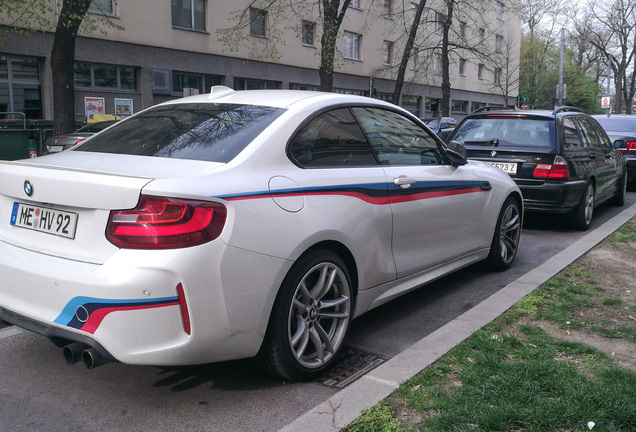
column 397, row 140
column 603, row 139
column 588, row 136
column 571, row 133
column 332, row 139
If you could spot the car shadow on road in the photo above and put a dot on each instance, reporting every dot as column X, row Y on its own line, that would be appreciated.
column 238, row 375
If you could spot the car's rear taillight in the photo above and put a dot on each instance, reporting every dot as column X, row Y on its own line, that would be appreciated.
column 631, row 146
column 78, row 141
column 166, row 223
column 557, row 170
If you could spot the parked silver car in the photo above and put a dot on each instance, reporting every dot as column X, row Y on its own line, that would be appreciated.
column 58, row 143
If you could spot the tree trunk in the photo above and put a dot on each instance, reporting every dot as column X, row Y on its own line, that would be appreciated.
column 62, row 64
column 399, row 80
column 446, row 85
column 332, row 18
column 618, row 88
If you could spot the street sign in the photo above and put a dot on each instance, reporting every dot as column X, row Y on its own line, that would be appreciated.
column 605, row 102
column 523, row 99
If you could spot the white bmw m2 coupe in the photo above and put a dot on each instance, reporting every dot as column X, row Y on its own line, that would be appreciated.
column 241, row 224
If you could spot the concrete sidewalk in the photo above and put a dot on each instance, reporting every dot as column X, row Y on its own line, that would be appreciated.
column 346, row 405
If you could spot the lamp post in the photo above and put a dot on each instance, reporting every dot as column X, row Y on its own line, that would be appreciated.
column 560, row 95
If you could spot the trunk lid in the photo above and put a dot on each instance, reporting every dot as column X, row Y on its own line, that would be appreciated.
column 60, row 204
column 523, row 160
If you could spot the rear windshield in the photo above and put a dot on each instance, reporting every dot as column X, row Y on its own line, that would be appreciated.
column 521, row 132
column 618, row 124
column 199, row 131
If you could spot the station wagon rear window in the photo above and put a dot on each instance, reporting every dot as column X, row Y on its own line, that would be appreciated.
column 198, row 131
column 511, row 131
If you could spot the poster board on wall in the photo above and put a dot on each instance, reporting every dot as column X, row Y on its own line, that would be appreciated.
column 92, row 106
column 123, row 107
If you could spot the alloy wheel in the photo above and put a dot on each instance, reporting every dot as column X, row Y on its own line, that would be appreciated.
column 319, row 315
column 509, row 233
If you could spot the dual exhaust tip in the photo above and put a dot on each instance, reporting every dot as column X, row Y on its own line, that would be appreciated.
column 76, row 352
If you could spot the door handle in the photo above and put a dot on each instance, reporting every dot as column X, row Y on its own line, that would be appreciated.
column 403, row 181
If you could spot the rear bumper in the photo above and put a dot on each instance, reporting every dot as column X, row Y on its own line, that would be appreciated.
column 563, row 197
column 128, row 308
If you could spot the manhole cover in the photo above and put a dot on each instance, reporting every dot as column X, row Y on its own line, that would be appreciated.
column 351, row 365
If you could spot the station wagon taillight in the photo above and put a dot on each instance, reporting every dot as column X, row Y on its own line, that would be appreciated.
column 631, row 146
column 165, row 223
column 556, row 170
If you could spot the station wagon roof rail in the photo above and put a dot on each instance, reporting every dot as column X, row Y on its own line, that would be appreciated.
column 567, row 109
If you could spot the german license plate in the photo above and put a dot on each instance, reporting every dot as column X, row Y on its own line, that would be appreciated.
column 55, row 148
column 44, row 219
column 507, row 167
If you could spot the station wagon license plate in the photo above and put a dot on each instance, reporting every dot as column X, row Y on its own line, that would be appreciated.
column 507, row 167
column 44, row 219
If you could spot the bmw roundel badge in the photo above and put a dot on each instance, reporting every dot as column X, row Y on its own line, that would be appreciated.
column 28, row 188
column 493, row 153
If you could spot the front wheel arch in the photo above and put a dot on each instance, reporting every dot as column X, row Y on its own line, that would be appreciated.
column 310, row 318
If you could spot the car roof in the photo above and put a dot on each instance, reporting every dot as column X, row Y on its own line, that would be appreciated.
column 507, row 111
column 273, row 98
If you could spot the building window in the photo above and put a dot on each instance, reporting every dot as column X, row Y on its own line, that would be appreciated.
column 387, row 8
column 20, row 89
column 308, row 32
column 387, row 52
column 194, row 83
column 293, row 86
column 474, row 106
column 351, row 46
column 258, row 21
column 498, row 43
column 459, row 106
column 431, row 104
column 462, row 66
column 439, row 23
column 255, row 84
column 351, row 91
column 188, row 14
column 499, row 9
column 462, row 29
column 105, row 77
column 438, row 64
column 355, row 4
column 102, row 7
column 414, row 60
column 480, row 71
column 497, row 76
column 412, row 104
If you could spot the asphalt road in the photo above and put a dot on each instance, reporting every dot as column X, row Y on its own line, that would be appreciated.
column 38, row 391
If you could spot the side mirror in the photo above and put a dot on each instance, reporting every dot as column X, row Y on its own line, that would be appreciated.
column 457, row 153
column 620, row 144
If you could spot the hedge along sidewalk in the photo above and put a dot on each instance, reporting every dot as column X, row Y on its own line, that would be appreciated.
column 345, row 406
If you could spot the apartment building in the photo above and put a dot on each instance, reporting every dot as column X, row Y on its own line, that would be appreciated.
column 156, row 50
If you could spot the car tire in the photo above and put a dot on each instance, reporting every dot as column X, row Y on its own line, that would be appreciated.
column 621, row 192
column 310, row 318
column 505, row 240
column 585, row 210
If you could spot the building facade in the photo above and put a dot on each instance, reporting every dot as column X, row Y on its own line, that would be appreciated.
column 156, row 50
